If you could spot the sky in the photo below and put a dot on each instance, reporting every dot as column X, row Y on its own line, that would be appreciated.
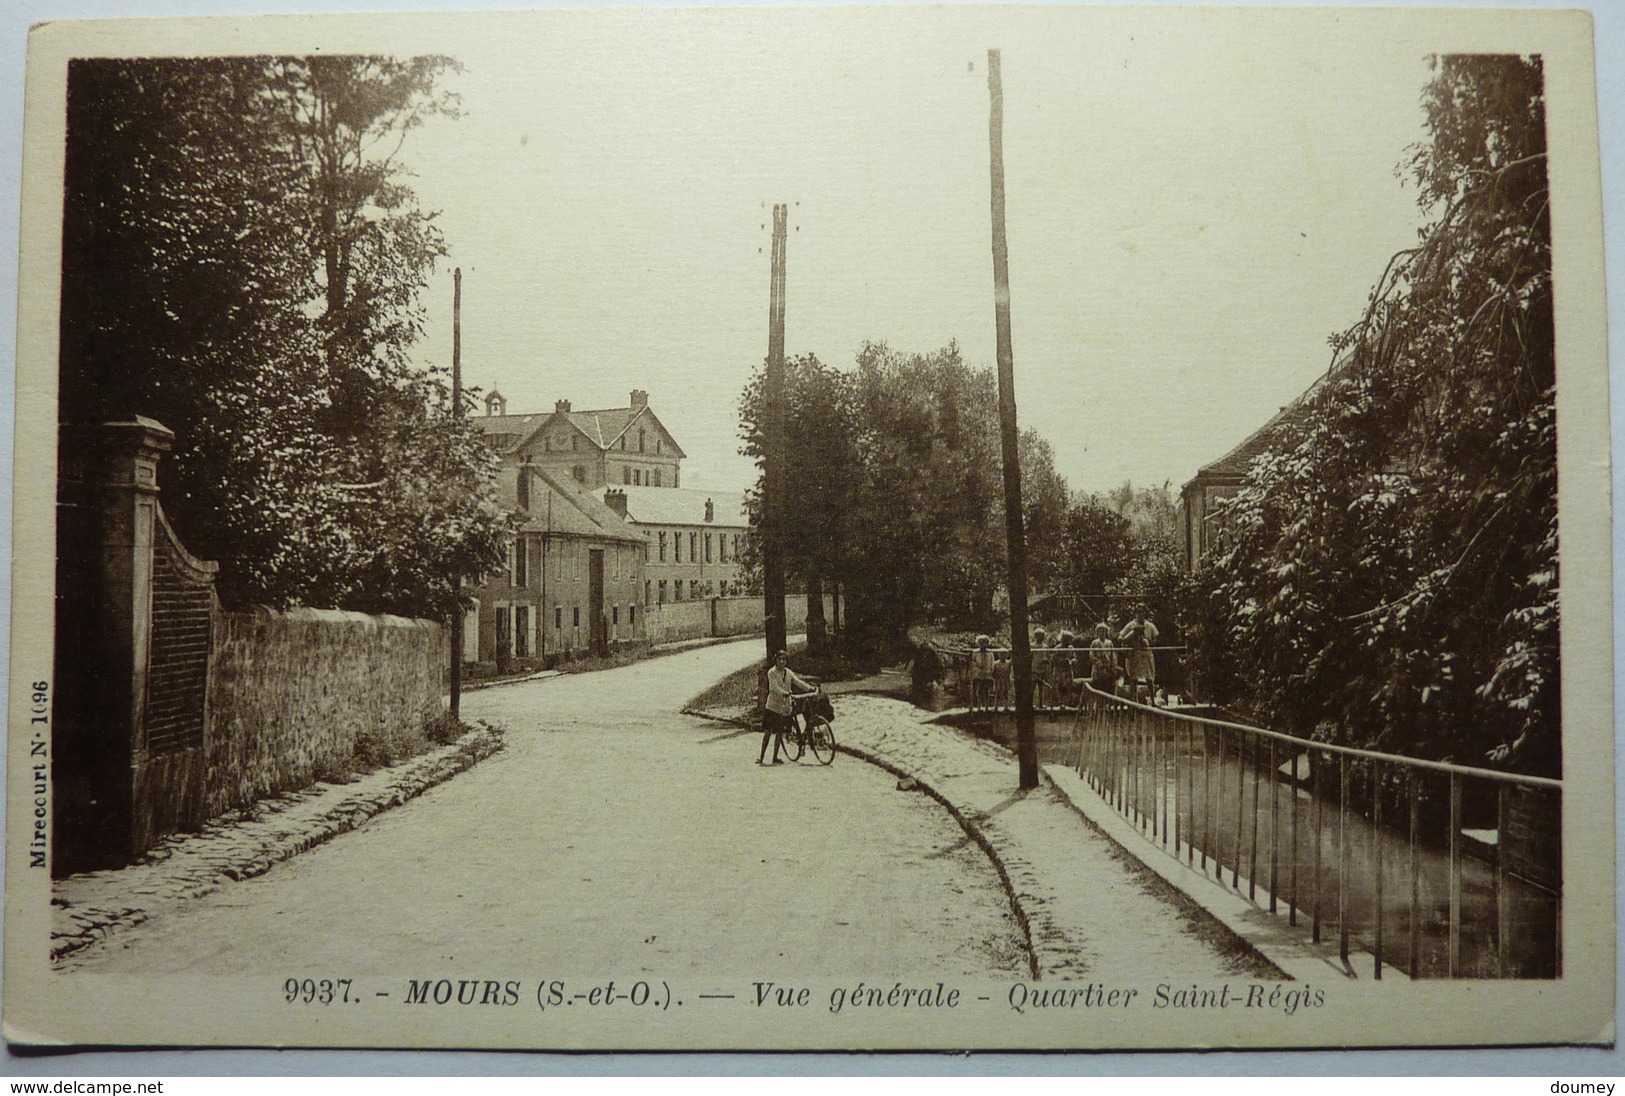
column 1195, row 204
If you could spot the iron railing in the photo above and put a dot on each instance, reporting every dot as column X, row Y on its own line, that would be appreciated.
column 1439, row 870
column 1056, row 670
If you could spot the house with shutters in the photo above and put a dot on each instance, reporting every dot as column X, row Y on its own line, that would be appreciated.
column 608, row 531
column 571, row 585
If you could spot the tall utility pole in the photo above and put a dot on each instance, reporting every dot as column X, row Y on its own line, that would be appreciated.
column 1015, row 532
column 457, row 412
column 773, row 479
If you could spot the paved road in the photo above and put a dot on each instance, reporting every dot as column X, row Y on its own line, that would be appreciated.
column 615, row 836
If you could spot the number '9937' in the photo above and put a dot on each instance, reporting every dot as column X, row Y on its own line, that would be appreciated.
column 317, row 991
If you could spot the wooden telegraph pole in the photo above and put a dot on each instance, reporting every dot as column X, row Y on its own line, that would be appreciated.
column 773, row 478
column 457, row 412
column 1015, row 532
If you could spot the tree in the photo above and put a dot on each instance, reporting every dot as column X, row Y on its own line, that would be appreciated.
column 1096, row 549
column 821, row 480
column 198, row 290
column 1155, row 569
column 1390, row 568
column 1045, row 505
column 927, row 539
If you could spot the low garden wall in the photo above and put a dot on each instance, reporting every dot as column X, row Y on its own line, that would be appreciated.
column 723, row 616
column 302, row 695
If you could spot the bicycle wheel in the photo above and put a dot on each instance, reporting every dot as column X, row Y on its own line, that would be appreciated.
column 821, row 737
column 790, row 741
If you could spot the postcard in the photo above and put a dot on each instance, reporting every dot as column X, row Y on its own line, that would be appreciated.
column 812, row 528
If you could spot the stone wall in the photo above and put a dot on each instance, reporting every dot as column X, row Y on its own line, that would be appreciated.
column 297, row 696
column 724, row 616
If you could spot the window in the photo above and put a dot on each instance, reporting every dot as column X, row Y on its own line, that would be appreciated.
column 648, row 588
column 708, row 547
column 722, row 547
column 573, row 442
column 736, row 546
column 637, row 477
column 662, row 550
column 657, row 444
column 521, row 631
column 641, row 432
column 579, row 473
column 558, row 618
column 547, row 445
column 677, row 547
column 677, row 590
column 694, row 547
column 520, row 559
column 693, row 589
column 575, row 615
column 657, row 477
column 623, row 443
column 662, row 591
column 508, row 560
column 631, row 615
column 614, row 614
column 626, row 475
column 674, row 477
column 524, row 489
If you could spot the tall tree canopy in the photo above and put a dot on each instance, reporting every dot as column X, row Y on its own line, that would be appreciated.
column 242, row 262
column 896, row 491
column 1389, row 573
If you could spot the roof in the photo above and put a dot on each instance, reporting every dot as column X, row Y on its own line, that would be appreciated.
column 602, row 427
column 562, row 510
column 1235, row 464
column 508, row 432
column 683, row 506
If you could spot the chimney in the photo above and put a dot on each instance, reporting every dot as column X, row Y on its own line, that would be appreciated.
column 562, row 406
column 615, row 499
column 640, row 398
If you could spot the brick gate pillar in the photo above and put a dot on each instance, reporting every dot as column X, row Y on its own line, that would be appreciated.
column 112, row 541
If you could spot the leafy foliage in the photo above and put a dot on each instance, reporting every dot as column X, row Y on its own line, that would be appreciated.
column 896, row 490
column 1390, row 568
column 242, row 262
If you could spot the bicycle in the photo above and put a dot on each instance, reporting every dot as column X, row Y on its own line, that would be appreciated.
column 808, row 728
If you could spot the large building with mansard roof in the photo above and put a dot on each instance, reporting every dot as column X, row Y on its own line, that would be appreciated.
column 613, row 446
column 608, row 531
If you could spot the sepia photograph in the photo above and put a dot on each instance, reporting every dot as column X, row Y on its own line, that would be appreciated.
column 824, row 528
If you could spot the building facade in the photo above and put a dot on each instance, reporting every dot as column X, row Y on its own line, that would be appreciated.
column 692, row 540
column 616, row 446
column 608, row 530
column 571, row 585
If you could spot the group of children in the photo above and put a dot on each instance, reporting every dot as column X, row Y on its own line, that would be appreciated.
column 1127, row 670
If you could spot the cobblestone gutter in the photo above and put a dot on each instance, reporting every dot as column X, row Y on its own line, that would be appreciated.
column 92, row 907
